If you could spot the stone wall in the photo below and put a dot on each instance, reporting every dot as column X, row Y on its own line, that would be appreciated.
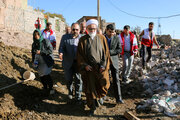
column 12, row 14
column 16, row 15
column 2, row 24
column 14, row 19
column 62, row 26
column 30, row 16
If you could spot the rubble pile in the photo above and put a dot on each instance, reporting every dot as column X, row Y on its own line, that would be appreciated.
column 163, row 72
column 164, row 39
column 164, row 102
column 161, row 80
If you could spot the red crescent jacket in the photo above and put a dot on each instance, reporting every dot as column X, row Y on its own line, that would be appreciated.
column 133, row 40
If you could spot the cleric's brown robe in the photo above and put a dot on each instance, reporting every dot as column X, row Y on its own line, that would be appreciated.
column 95, row 84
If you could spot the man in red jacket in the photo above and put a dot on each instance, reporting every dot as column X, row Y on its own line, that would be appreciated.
column 49, row 34
column 129, row 48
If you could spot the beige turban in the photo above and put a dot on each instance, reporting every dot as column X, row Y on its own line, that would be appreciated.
column 91, row 21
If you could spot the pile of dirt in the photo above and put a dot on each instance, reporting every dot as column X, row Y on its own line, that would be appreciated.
column 13, row 63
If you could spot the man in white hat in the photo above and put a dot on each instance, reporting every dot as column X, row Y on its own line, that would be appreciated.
column 93, row 62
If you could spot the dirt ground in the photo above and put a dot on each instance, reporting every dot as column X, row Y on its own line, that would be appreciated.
column 28, row 101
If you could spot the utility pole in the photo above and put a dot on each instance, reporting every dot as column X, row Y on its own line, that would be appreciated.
column 173, row 34
column 98, row 12
column 159, row 27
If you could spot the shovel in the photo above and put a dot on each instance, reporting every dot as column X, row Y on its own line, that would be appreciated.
column 28, row 75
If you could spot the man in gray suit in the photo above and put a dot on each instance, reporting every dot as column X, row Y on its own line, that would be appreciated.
column 115, row 49
column 67, row 53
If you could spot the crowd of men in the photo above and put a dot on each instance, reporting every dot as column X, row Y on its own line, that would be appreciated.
column 89, row 57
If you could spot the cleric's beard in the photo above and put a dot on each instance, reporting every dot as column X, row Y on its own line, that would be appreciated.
column 92, row 34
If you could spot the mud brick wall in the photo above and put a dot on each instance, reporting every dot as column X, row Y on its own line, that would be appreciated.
column 16, row 15
column 30, row 16
column 14, row 19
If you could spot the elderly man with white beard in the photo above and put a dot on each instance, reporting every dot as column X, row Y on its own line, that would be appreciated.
column 93, row 62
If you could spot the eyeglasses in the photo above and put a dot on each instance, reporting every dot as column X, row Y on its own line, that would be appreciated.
column 92, row 29
column 75, row 29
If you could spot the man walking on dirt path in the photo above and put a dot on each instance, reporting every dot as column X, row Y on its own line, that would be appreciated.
column 93, row 62
column 148, row 37
column 129, row 49
column 67, row 53
column 49, row 34
column 114, row 49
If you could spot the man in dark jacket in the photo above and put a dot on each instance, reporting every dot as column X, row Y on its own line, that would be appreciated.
column 67, row 53
column 115, row 49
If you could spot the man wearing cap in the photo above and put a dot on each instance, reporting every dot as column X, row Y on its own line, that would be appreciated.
column 93, row 62
column 67, row 53
column 129, row 48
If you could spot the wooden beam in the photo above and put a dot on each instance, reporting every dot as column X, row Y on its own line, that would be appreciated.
column 130, row 116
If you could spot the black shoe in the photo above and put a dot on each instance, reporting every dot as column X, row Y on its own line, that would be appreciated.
column 79, row 102
column 97, row 104
column 91, row 113
column 144, row 67
column 124, row 79
column 119, row 102
column 44, row 87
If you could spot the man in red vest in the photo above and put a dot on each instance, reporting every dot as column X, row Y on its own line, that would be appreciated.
column 49, row 34
column 37, row 24
column 148, row 37
column 129, row 49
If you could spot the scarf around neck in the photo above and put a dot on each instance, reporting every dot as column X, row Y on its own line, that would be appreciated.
column 38, row 41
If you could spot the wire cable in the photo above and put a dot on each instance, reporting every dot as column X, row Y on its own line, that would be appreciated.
column 67, row 5
column 145, row 17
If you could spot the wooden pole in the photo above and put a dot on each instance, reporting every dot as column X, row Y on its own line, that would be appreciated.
column 98, row 13
column 14, row 84
column 130, row 116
